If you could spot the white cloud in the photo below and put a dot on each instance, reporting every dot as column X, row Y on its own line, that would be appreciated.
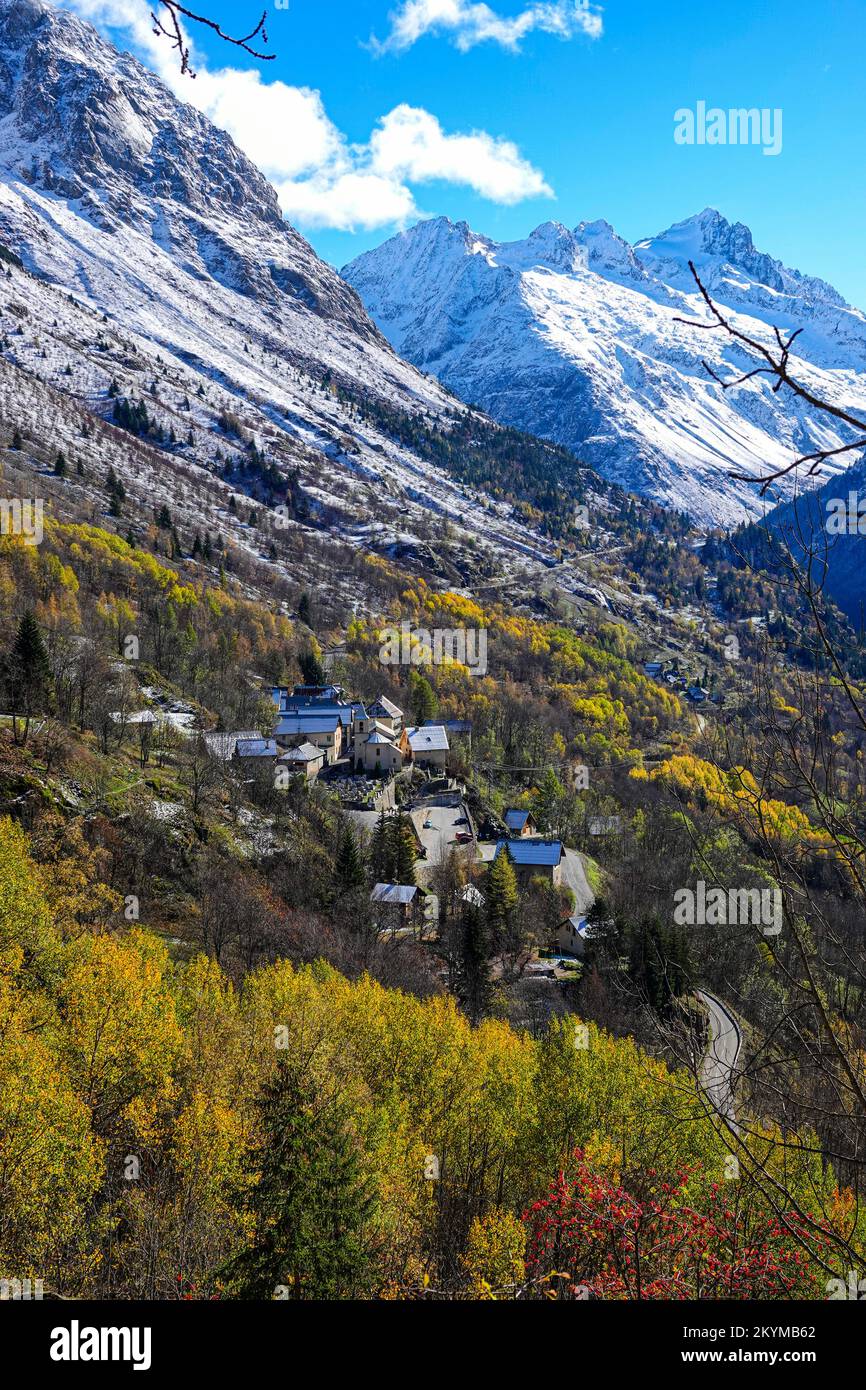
column 348, row 202
column 469, row 22
column 410, row 144
column 322, row 179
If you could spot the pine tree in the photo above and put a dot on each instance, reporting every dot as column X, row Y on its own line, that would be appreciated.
column 405, row 849
column 348, row 865
column 28, row 676
column 381, row 851
column 474, row 988
column 550, row 793
column 116, row 493
column 501, row 891
column 422, row 696
column 60, row 468
column 17, row 441
column 311, row 1205
column 305, row 609
column 311, row 668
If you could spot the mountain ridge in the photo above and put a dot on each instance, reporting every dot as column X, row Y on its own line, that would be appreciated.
column 236, row 365
column 574, row 336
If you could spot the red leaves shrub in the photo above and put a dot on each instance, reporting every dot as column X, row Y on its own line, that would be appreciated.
column 667, row 1237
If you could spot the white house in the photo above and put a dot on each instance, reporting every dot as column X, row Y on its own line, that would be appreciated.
column 306, row 759
column 571, row 937
column 429, row 745
column 380, row 751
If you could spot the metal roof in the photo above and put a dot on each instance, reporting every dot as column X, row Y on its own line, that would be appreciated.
column 516, row 820
column 604, row 825
column 526, row 853
column 320, row 709
column 429, row 739
column 222, row 743
column 383, row 703
column 307, row 753
column 256, row 748
column 318, row 692
column 402, row 893
column 297, row 724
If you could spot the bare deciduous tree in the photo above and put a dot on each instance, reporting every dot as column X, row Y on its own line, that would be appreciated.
column 773, row 363
column 803, row 1077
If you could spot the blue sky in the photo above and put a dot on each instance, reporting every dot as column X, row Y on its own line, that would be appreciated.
column 514, row 112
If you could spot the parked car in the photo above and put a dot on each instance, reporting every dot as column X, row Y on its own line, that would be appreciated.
column 463, row 838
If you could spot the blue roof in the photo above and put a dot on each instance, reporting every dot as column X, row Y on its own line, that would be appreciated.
column 516, row 820
column 317, row 709
column 527, row 853
column 314, row 698
column 317, row 692
column 312, row 724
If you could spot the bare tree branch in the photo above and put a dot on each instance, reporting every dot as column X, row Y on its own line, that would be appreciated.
column 167, row 22
column 777, row 369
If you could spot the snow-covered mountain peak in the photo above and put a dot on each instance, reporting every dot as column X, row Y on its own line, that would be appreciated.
column 93, row 142
column 719, row 247
column 158, row 271
column 550, row 245
column 577, row 336
column 76, row 117
column 607, row 253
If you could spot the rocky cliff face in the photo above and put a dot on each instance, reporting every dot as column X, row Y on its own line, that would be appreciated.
column 93, row 142
column 144, row 260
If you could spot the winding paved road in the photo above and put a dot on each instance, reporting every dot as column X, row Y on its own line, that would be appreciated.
column 718, row 1068
column 574, row 877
